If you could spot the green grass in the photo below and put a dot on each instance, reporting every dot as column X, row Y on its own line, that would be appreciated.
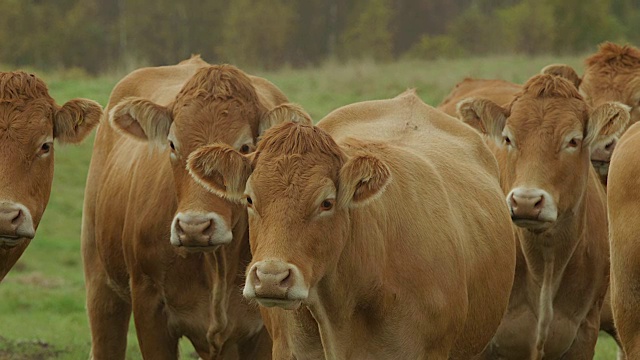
column 42, row 301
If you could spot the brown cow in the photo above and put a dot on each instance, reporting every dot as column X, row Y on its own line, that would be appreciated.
column 366, row 241
column 544, row 141
column 624, row 207
column 29, row 121
column 499, row 91
column 147, row 222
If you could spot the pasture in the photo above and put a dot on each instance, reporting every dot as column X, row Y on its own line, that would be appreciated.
column 42, row 306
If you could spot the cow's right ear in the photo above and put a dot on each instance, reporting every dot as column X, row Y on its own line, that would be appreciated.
column 564, row 71
column 142, row 119
column 221, row 170
column 483, row 115
column 283, row 113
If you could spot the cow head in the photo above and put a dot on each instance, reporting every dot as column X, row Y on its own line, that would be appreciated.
column 611, row 75
column 217, row 105
column 545, row 137
column 299, row 188
column 29, row 122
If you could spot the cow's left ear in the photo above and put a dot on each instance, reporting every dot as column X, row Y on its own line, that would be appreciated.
column 288, row 112
column 363, row 178
column 564, row 71
column 606, row 122
column 74, row 120
column 221, row 170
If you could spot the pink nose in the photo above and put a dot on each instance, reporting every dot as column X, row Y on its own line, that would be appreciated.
column 271, row 279
column 15, row 221
column 526, row 205
column 194, row 230
column 603, row 153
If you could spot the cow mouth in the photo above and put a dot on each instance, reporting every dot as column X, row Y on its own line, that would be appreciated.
column 532, row 224
column 602, row 167
column 200, row 248
column 286, row 304
column 7, row 241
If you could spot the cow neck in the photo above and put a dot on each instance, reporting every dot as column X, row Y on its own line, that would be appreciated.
column 338, row 306
column 547, row 255
column 225, row 276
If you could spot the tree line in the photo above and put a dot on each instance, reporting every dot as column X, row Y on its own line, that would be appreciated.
column 108, row 35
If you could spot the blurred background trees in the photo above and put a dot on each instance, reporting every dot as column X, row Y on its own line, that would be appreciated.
column 110, row 35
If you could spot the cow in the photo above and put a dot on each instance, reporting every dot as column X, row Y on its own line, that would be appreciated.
column 624, row 204
column 542, row 142
column 156, row 243
column 379, row 233
column 30, row 120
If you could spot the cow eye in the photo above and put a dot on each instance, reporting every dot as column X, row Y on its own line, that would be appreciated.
column 173, row 147
column 249, row 201
column 245, row 149
column 573, row 143
column 506, row 140
column 45, row 148
column 327, row 204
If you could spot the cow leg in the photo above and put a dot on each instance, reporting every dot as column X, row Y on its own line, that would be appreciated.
column 154, row 337
column 584, row 345
column 108, row 314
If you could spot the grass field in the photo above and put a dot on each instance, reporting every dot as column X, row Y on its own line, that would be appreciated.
column 42, row 301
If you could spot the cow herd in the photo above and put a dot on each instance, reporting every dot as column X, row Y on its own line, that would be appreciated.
column 500, row 225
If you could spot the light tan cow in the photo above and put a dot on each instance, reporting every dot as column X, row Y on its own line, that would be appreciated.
column 624, row 207
column 29, row 122
column 380, row 233
column 544, row 139
column 499, row 91
column 147, row 224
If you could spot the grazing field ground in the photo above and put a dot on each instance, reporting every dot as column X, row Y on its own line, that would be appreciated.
column 42, row 300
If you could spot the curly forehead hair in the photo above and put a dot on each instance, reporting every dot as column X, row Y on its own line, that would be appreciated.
column 549, row 86
column 20, row 86
column 614, row 56
column 219, row 82
column 291, row 138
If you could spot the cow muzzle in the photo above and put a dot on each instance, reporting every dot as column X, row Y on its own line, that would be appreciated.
column 276, row 283
column 601, row 156
column 16, row 224
column 531, row 208
column 200, row 231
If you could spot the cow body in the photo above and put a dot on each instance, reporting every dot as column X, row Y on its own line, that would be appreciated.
column 544, row 139
column 350, row 223
column 155, row 242
column 499, row 91
column 624, row 204
column 29, row 121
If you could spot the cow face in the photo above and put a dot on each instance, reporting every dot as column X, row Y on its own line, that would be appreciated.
column 298, row 198
column 218, row 104
column 29, row 122
column 545, row 139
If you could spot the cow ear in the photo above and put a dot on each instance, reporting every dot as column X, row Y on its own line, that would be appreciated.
column 362, row 178
column 283, row 113
column 221, row 170
column 606, row 122
column 483, row 115
column 564, row 71
column 142, row 119
column 74, row 120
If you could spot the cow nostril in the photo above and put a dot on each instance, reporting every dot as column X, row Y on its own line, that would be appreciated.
column 18, row 218
column 539, row 203
column 287, row 280
column 609, row 146
column 208, row 230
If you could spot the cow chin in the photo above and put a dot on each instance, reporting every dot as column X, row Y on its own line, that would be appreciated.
column 535, row 225
column 281, row 303
column 602, row 167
